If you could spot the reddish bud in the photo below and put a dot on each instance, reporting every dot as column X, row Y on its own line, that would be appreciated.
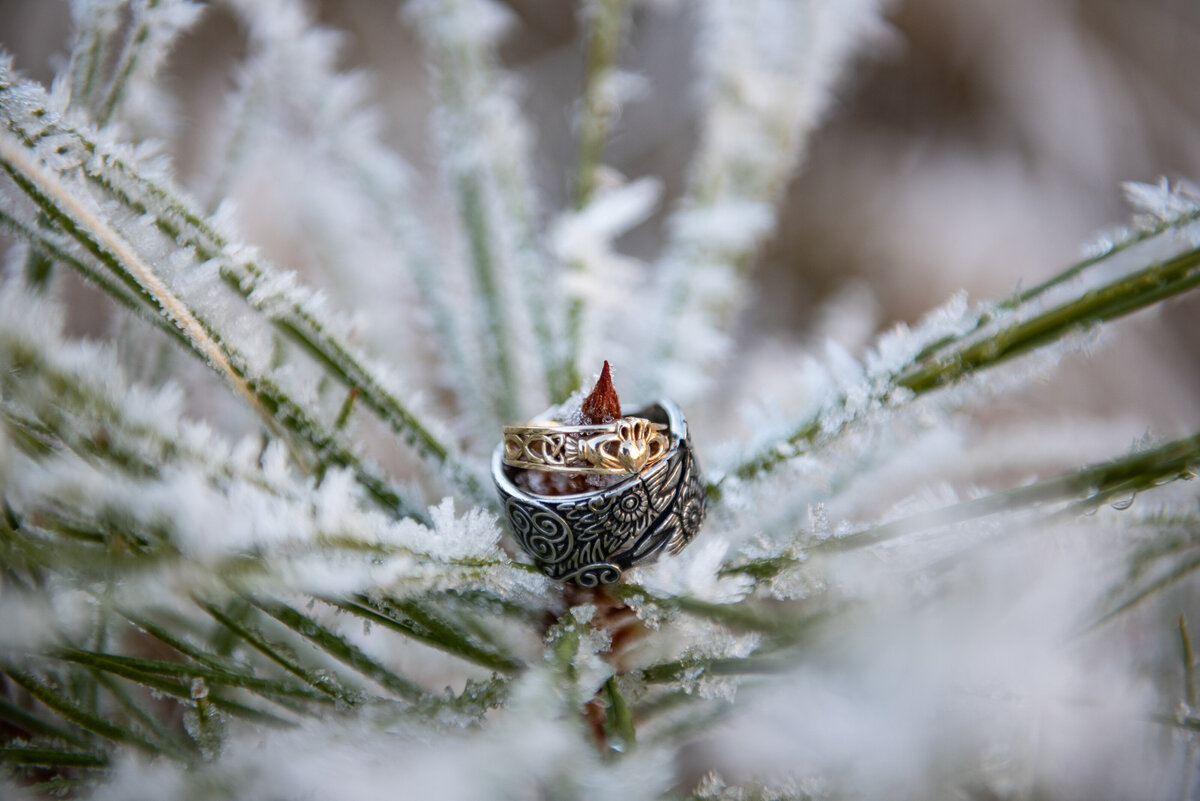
column 602, row 405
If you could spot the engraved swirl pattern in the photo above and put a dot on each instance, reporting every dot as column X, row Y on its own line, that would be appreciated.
column 543, row 534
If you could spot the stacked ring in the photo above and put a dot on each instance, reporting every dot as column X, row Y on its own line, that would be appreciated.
column 589, row 538
column 624, row 446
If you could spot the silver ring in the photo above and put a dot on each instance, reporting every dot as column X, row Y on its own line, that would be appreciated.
column 589, row 538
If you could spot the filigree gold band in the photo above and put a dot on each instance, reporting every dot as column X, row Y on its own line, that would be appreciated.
column 624, row 446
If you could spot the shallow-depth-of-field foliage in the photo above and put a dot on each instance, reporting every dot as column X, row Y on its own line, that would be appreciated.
column 249, row 546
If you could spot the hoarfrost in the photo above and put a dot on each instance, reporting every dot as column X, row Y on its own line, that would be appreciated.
column 1162, row 201
column 694, row 573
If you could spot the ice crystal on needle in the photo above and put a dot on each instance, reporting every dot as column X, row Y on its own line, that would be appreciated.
column 247, row 542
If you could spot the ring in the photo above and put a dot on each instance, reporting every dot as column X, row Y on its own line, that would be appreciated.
column 589, row 538
column 623, row 446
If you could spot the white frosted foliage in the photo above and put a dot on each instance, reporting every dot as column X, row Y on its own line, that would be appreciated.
column 265, row 315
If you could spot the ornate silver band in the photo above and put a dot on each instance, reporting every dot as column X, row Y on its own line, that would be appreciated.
column 589, row 538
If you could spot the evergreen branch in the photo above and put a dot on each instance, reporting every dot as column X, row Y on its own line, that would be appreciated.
column 1190, row 690
column 606, row 22
column 619, row 730
column 340, row 649
column 18, row 718
column 77, row 401
column 171, row 743
column 57, row 702
column 255, row 640
column 93, row 233
column 331, row 451
column 788, row 621
column 493, row 308
column 410, row 619
column 1123, row 296
column 1131, row 239
column 661, row 703
column 130, row 57
column 693, row 667
column 1143, row 233
column 43, row 242
column 189, row 229
column 356, row 149
column 156, row 24
column 1177, row 573
column 182, row 672
column 493, row 193
column 397, row 215
column 283, row 412
column 1014, row 335
column 746, row 153
column 45, row 439
column 158, row 680
column 51, row 757
column 474, row 701
column 1190, row 723
column 95, row 25
column 273, row 405
column 1089, row 486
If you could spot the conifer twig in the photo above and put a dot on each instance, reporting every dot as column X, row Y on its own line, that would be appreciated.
column 1010, row 335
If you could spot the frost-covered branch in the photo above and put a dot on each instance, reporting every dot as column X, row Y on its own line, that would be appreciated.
column 155, row 26
column 959, row 342
column 486, row 162
column 606, row 23
column 96, row 23
column 289, row 307
column 1116, row 481
column 289, row 49
column 771, row 65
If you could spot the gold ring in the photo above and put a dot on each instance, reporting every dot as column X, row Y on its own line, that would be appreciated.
column 624, row 446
